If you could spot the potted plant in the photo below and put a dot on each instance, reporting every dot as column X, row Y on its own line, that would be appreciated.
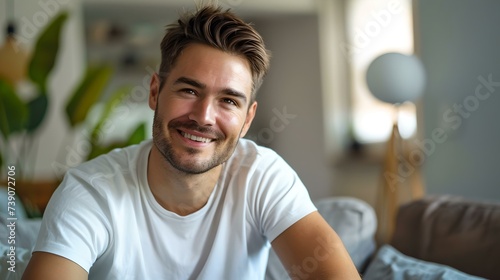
column 20, row 119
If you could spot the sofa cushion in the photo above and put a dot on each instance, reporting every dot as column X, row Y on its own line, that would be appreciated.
column 355, row 222
column 453, row 231
column 389, row 264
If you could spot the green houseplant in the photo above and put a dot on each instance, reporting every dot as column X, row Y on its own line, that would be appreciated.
column 20, row 120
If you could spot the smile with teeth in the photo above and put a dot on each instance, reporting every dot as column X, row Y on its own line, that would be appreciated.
column 196, row 138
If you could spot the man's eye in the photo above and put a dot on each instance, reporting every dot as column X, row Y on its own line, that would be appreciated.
column 188, row 91
column 230, row 101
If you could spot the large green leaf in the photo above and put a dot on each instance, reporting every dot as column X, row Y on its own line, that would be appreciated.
column 98, row 150
column 115, row 100
column 45, row 52
column 37, row 109
column 138, row 135
column 87, row 93
column 13, row 111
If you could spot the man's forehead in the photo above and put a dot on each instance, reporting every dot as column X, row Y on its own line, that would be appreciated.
column 213, row 68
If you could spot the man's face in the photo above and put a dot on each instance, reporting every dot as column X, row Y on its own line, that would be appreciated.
column 202, row 109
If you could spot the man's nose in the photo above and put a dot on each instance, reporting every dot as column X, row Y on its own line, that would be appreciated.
column 203, row 112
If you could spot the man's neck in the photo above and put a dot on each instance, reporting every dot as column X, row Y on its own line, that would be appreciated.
column 177, row 191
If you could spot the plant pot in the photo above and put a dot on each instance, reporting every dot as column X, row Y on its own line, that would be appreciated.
column 34, row 195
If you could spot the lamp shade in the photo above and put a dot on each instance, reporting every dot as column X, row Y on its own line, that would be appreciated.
column 396, row 78
column 14, row 61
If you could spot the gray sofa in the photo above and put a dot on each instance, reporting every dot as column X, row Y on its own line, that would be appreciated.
column 452, row 231
column 441, row 237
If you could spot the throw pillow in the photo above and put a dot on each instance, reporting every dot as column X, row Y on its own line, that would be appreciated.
column 389, row 263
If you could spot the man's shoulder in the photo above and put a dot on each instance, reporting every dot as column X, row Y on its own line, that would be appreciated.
column 119, row 163
column 117, row 159
column 104, row 178
column 247, row 151
column 249, row 155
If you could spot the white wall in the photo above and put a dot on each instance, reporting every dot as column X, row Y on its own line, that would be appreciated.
column 293, row 86
column 31, row 17
column 459, row 43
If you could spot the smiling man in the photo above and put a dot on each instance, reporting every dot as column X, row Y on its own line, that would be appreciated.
column 198, row 201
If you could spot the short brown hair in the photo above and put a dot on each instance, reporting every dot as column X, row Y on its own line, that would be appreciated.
column 218, row 28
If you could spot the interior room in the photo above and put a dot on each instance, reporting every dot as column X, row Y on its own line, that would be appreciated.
column 315, row 108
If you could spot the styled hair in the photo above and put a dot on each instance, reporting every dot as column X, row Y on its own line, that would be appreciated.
column 221, row 29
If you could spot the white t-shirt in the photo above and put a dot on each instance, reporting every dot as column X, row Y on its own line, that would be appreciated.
column 104, row 217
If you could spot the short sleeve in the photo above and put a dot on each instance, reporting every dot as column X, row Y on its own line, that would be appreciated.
column 74, row 224
column 281, row 197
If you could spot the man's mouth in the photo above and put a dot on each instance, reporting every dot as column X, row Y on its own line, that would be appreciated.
column 196, row 138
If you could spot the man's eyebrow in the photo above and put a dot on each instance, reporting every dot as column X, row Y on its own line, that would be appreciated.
column 191, row 82
column 236, row 94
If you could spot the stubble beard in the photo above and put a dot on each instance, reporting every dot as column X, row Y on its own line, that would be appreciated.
column 192, row 167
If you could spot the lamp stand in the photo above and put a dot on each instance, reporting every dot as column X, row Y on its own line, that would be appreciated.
column 400, row 182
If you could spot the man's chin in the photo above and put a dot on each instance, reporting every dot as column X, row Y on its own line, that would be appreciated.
column 191, row 169
column 192, row 166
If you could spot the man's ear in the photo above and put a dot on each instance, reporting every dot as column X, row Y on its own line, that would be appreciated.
column 248, row 121
column 154, row 91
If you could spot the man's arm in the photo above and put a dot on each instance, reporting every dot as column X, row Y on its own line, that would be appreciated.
column 310, row 249
column 49, row 266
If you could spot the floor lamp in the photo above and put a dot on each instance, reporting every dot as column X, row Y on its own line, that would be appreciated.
column 394, row 78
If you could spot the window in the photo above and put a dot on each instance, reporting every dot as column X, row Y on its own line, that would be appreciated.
column 375, row 28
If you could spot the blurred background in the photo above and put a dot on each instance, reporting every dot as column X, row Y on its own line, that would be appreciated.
column 314, row 106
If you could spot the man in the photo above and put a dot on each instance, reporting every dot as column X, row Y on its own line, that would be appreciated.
column 196, row 202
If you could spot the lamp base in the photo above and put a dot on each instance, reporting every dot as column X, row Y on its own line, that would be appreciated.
column 400, row 182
